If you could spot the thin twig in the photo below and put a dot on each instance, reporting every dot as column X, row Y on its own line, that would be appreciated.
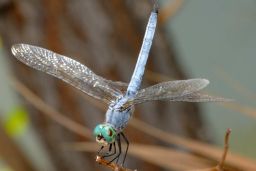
column 157, row 155
column 113, row 166
column 243, row 109
column 220, row 166
column 226, row 146
column 48, row 110
column 235, row 84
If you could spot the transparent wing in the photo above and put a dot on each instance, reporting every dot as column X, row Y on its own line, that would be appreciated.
column 198, row 97
column 118, row 85
column 180, row 90
column 169, row 90
column 69, row 71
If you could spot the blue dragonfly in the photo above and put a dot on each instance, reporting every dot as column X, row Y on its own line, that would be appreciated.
column 121, row 103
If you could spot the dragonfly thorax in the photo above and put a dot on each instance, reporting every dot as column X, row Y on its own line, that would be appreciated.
column 118, row 115
column 119, row 103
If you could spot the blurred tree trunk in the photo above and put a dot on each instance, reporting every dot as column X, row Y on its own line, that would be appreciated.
column 105, row 36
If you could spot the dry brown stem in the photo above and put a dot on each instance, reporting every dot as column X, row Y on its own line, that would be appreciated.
column 246, row 110
column 235, row 84
column 113, row 166
column 155, row 154
column 220, row 166
column 225, row 151
column 48, row 110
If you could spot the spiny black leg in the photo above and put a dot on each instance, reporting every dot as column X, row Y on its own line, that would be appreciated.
column 119, row 149
column 100, row 150
column 127, row 146
column 110, row 149
column 114, row 149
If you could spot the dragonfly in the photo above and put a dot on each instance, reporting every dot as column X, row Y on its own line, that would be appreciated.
column 120, row 97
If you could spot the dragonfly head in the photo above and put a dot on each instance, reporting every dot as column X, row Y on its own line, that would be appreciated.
column 105, row 134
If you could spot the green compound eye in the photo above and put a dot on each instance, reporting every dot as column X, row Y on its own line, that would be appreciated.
column 105, row 134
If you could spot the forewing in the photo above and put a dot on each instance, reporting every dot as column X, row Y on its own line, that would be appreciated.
column 169, row 90
column 69, row 71
column 118, row 85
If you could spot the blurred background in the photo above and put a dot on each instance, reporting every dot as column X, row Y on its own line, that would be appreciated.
column 46, row 124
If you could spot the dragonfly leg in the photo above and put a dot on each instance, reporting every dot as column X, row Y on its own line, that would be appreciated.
column 118, row 140
column 100, row 150
column 107, row 153
column 110, row 148
column 127, row 146
column 110, row 152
